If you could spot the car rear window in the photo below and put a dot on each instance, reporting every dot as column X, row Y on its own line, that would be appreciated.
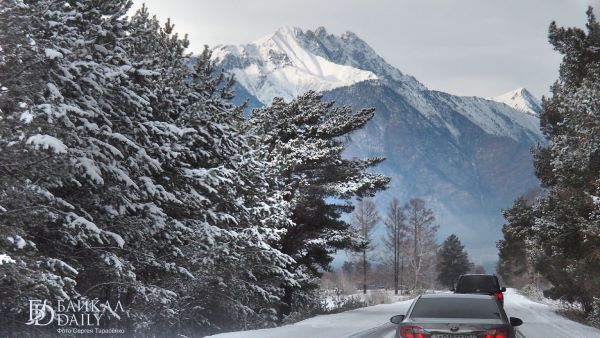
column 456, row 308
column 475, row 284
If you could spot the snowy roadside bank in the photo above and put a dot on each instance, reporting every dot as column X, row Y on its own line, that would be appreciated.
column 326, row 326
column 541, row 320
column 371, row 298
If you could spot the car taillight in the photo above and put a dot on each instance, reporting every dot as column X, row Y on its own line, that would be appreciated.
column 499, row 296
column 413, row 331
column 500, row 332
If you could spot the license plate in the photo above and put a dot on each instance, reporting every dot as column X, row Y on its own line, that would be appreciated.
column 453, row 335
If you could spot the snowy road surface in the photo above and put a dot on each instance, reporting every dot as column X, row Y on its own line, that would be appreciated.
column 540, row 321
column 372, row 321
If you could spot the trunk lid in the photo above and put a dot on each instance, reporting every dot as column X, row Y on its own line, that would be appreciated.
column 457, row 326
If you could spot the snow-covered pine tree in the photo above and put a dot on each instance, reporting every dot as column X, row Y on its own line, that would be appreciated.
column 305, row 139
column 563, row 234
column 85, row 207
column 513, row 264
column 234, row 201
column 452, row 261
column 25, row 169
column 124, row 177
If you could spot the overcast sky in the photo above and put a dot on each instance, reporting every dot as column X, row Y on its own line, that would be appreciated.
column 465, row 47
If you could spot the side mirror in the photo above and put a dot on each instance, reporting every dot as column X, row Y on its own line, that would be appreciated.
column 514, row 321
column 397, row 319
column 503, row 289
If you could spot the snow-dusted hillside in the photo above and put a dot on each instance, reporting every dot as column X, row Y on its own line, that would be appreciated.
column 520, row 99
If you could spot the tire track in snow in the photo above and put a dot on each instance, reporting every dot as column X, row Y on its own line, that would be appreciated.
column 382, row 331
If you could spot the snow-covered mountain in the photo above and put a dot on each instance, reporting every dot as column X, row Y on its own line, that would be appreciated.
column 292, row 61
column 468, row 156
column 278, row 66
column 520, row 99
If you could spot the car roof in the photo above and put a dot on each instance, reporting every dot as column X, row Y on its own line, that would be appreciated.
column 456, row 295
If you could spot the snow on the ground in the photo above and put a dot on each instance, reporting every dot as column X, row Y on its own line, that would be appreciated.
column 373, row 297
column 541, row 320
column 343, row 324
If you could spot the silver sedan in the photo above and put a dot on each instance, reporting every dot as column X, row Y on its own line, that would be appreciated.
column 455, row 316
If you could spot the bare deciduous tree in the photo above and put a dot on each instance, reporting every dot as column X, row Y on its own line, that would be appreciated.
column 421, row 234
column 395, row 239
column 364, row 219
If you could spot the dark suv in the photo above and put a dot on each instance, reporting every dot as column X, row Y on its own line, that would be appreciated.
column 480, row 284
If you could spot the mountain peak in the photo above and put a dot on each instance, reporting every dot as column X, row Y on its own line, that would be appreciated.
column 349, row 49
column 520, row 99
column 350, row 35
column 288, row 30
column 284, row 32
column 290, row 61
column 521, row 90
column 280, row 65
column 320, row 31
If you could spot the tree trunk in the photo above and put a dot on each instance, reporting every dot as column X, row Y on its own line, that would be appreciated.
column 395, row 271
column 285, row 307
column 401, row 271
column 365, row 271
column 396, row 261
column 416, row 258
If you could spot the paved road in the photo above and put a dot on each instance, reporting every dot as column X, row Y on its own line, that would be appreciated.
column 540, row 321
